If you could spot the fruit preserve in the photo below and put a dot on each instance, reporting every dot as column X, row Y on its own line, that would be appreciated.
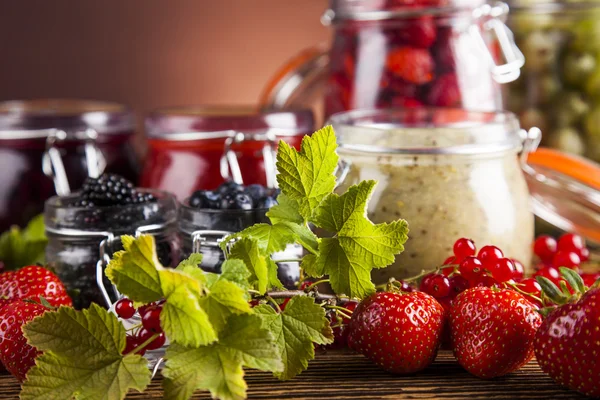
column 51, row 146
column 84, row 230
column 560, row 86
column 200, row 148
column 450, row 173
column 405, row 54
column 207, row 217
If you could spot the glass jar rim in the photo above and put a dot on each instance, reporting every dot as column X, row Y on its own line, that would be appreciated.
column 40, row 118
column 492, row 132
column 213, row 122
column 552, row 6
column 185, row 204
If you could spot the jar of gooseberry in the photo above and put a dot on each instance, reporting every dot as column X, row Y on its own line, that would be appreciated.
column 50, row 146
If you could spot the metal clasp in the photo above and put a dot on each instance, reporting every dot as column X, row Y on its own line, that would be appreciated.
column 514, row 58
column 230, row 167
column 531, row 140
column 212, row 238
column 54, row 168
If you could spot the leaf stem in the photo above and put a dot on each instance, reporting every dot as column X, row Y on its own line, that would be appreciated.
column 143, row 345
column 316, row 284
column 272, row 301
column 344, row 312
column 524, row 293
column 288, row 260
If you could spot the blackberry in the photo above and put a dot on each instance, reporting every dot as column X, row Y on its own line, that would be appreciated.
column 111, row 190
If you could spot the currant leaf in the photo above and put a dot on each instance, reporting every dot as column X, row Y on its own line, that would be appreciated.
column 82, row 357
column 270, row 238
column 295, row 330
column 191, row 266
column 358, row 244
column 246, row 249
column 307, row 176
column 22, row 247
column 219, row 367
column 286, row 210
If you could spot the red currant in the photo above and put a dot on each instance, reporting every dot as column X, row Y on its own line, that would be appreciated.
column 405, row 287
column 550, row 273
column 531, row 286
column 488, row 255
column 145, row 334
column 519, row 271
column 124, row 308
column 503, row 270
column 584, row 254
column 304, row 285
column 131, row 342
column 545, row 247
column 284, row 303
column 463, row 248
column 151, row 319
column 571, row 242
column 447, row 271
column 485, row 280
column 449, row 260
column 471, row 268
column 458, row 284
column 437, row 285
column 567, row 259
column 590, row 279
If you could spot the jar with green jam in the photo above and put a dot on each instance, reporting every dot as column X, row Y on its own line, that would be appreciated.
column 559, row 87
column 450, row 173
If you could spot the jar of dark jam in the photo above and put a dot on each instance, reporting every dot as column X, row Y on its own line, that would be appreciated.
column 199, row 148
column 81, row 241
column 202, row 229
column 49, row 147
column 404, row 54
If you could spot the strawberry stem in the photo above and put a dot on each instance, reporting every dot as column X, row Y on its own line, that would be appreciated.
column 524, row 293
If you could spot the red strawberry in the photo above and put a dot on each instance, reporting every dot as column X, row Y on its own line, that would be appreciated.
column 417, row 32
column 411, row 64
column 400, row 332
column 16, row 355
column 32, row 283
column 567, row 345
column 493, row 330
column 445, row 92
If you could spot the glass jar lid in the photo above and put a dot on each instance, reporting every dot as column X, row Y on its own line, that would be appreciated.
column 39, row 118
column 197, row 123
column 565, row 190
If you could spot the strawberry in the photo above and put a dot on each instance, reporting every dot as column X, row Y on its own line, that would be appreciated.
column 400, row 332
column 16, row 355
column 411, row 64
column 445, row 92
column 32, row 283
column 567, row 345
column 492, row 330
column 417, row 32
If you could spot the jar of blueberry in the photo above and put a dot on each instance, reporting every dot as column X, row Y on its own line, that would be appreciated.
column 404, row 54
column 208, row 216
column 84, row 230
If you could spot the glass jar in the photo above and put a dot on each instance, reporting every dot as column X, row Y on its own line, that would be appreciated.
column 48, row 147
column 82, row 240
column 202, row 230
column 560, row 84
column 450, row 173
column 200, row 148
column 390, row 54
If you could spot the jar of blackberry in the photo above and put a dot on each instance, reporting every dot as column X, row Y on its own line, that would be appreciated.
column 200, row 148
column 48, row 147
column 84, row 230
column 404, row 54
column 208, row 216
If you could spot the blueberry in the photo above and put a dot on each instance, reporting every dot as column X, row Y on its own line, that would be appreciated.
column 242, row 202
column 227, row 202
column 256, row 191
column 266, row 202
column 230, row 187
column 205, row 199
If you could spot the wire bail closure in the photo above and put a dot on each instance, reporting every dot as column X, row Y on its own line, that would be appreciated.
column 52, row 163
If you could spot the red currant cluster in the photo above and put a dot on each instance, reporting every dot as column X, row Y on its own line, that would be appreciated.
column 150, row 326
column 569, row 251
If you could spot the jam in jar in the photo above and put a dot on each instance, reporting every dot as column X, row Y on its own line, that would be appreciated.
column 208, row 216
column 48, row 147
column 200, row 148
column 84, row 231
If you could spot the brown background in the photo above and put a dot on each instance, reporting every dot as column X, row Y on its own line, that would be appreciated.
column 151, row 53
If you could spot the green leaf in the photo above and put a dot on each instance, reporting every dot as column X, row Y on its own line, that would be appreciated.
column 218, row 367
column 247, row 250
column 358, row 244
column 23, row 247
column 191, row 266
column 574, row 279
column 304, row 236
column 137, row 273
column 274, row 281
column 311, row 268
column 286, row 210
column 301, row 324
column 308, row 176
column 270, row 238
column 82, row 357
column 235, row 271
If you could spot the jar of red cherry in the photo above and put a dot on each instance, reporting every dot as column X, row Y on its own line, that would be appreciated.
column 51, row 146
column 405, row 53
column 200, row 148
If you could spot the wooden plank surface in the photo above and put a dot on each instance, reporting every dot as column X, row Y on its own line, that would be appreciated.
column 344, row 375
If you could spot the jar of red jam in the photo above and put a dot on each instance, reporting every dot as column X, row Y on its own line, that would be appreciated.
column 49, row 147
column 405, row 54
column 200, row 148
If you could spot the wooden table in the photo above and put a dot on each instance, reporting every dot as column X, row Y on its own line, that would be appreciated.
column 344, row 375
